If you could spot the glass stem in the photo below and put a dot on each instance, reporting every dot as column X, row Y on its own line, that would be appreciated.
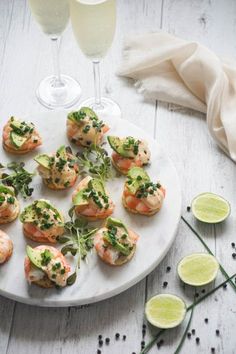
column 55, row 55
column 97, row 85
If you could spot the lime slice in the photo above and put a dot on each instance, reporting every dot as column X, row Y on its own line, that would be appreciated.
column 210, row 208
column 198, row 269
column 165, row 310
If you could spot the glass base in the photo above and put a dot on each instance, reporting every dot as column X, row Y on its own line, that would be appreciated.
column 52, row 94
column 108, row 107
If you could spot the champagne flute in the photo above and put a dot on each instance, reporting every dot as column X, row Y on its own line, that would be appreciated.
column 56, row 91
column 93, row 24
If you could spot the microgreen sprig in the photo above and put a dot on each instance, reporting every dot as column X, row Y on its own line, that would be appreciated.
column 77, row 240
column 95, row 162
column 19, row 179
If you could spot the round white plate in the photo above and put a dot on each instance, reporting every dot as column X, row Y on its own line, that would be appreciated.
column 96, row 281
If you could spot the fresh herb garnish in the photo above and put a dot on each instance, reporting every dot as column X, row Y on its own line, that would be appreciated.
column 19, row 179
column 77, row 240
column 95, row 162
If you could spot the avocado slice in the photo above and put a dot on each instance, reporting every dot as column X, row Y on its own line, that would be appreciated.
column 116, row 244
column 115, row 222
column 29, row 214
column 117, row 145
column 34, row 256
column 78, row 116
column 17, row 140
column 6, row 190
column 97, row 185
column 79, row 199
column 43, row 160
column 62, row 151
column 136, row 177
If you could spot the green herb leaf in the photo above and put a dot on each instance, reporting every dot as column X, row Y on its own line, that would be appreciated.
column 20, row 179
column 71, row 279
column 95, row 162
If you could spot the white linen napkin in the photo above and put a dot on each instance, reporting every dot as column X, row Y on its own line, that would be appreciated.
column 186, row 73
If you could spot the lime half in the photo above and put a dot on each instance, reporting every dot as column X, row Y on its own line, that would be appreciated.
column 165, row 310
column 210, row 208
column 198, row 269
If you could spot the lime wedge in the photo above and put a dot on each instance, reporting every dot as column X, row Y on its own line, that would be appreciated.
column 198, row 269
column 165, row 310
column 210, row 208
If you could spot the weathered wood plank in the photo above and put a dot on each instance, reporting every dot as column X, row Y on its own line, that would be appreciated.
column 201, row 168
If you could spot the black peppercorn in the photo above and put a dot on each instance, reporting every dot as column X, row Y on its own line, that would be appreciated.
column 206, row 320
column 168, row 269
column 165, row 284
column 117, row 335
column 100, row 342
column 100, row 336
column 189, row 335
column 213, row 350
column 225, row 286
column 233, row 244
column 124, row 337
column 217, row 332
column 99, row 351
column 197, row 340
column 107, row 340
column 193, row 331
column 188, row 208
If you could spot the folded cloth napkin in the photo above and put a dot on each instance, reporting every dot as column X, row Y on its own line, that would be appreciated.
column 186, row 73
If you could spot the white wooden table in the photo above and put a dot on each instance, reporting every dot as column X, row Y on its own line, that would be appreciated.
column 24, row 60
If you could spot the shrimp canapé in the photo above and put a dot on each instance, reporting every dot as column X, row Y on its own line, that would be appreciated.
column 140, row 195
column 84, row 128
column 20, row 137
column 6, row 247
column 42, row 222
column 128, row 152
column 59, row 170
column 9, row 205
column 115, row 243
column 91, row 199
column 46, row 266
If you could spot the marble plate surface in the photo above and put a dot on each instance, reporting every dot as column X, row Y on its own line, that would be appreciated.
column 96, row 280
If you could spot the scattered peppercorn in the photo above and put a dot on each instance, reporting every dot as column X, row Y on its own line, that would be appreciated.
column 142, row 344
column 197, row 340
column 168, row 269
column 99, row 351
column 203, row 291
column 217, row 332
column 107, row 340
column 144, row 326
column 100, row 342
column 193, row 331
column 234, row 255
column 213, row 350
column 189, row 335
column 124, row 337
column 225, row 286
column 233, row 244
column 196, row 295
column 165, row 284
column 144, row 332
column 100, row 336
column 188, row 209
column 117, row 335
column 206, row 320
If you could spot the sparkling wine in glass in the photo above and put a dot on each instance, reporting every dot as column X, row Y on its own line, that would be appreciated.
column 56, row 91
column 93, row 24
